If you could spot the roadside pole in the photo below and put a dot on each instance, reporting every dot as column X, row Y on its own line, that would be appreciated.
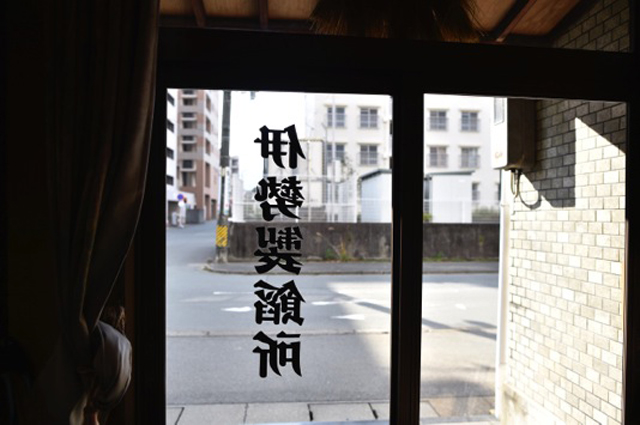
column 222, row 229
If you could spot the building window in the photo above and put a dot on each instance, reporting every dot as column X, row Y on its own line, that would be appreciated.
column 188, row 147
column 208, row 104
column 207, row 175
column 169, row 153
column 438, row 156
column 188, row 92
column 187, row 163
column 188, row 138
column 190, row 102
column 188, row 124
column 208, row 147
column 170, row 99
column 340, row 116
column 475, row 191
column 469, row 158
column 170, row 126
column 187, row 179
column 340, row 152
column 188, row 115
column 208, row 125
column 368, row 117
column 469, row 121
column 169, row 180
column 368, row 155
column 438, row 120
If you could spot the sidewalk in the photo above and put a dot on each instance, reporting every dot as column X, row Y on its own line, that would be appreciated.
column 362, row 267
column 435, row 411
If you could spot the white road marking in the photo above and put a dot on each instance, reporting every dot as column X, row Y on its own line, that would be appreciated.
column 321, row 303
column 231, row 292
column 350, row 317
column 237, row 309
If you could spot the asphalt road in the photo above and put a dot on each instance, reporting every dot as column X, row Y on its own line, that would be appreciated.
column 345, row 340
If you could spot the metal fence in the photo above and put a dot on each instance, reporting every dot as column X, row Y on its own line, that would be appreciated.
column 374, row 210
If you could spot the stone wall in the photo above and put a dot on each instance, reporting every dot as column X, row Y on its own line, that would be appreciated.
column 372, row 241
column 566, row 243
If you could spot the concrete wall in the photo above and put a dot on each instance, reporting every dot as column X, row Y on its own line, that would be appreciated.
column 565, row 335
column 368, row 241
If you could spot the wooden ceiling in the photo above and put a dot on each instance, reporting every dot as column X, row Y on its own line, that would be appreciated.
column 497, row 19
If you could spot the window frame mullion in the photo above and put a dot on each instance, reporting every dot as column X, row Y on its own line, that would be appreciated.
column 406, row 297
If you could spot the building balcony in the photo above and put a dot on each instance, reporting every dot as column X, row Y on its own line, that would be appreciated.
column 188, row 116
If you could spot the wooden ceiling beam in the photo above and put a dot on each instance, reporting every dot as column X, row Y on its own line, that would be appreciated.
column 511, row 19
column 199, row 12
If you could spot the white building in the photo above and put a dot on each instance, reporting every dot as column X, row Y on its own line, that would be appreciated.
column 458, row 139
column 347, row 136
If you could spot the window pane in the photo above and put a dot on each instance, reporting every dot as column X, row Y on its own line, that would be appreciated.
column 559, row 266
column 437, row 120
column 470, row 158
column 336, row 115
column 221, row 327
column 469, row 121
column 368, row 118
column 459, row 281
column 438, row 157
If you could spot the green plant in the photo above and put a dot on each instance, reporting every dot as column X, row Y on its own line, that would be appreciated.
column 330, row 254
column 342, row 251
column 426, row 217
column 339, row 252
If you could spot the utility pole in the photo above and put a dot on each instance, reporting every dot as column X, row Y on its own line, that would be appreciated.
column 222, row 230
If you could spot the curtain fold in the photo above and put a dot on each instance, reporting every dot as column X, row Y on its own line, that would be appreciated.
column 101, row 58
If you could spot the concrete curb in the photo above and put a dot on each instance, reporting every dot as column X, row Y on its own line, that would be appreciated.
column 359, row 268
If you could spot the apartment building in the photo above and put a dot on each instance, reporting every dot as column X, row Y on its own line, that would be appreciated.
column 457, row 141
column 198, row 154
column 353, row 135
column 172, row 190
column 347, row 139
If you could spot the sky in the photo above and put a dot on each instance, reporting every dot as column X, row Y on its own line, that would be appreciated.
column 276, row 110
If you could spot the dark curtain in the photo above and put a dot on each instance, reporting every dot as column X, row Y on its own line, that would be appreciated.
column 101, row 58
